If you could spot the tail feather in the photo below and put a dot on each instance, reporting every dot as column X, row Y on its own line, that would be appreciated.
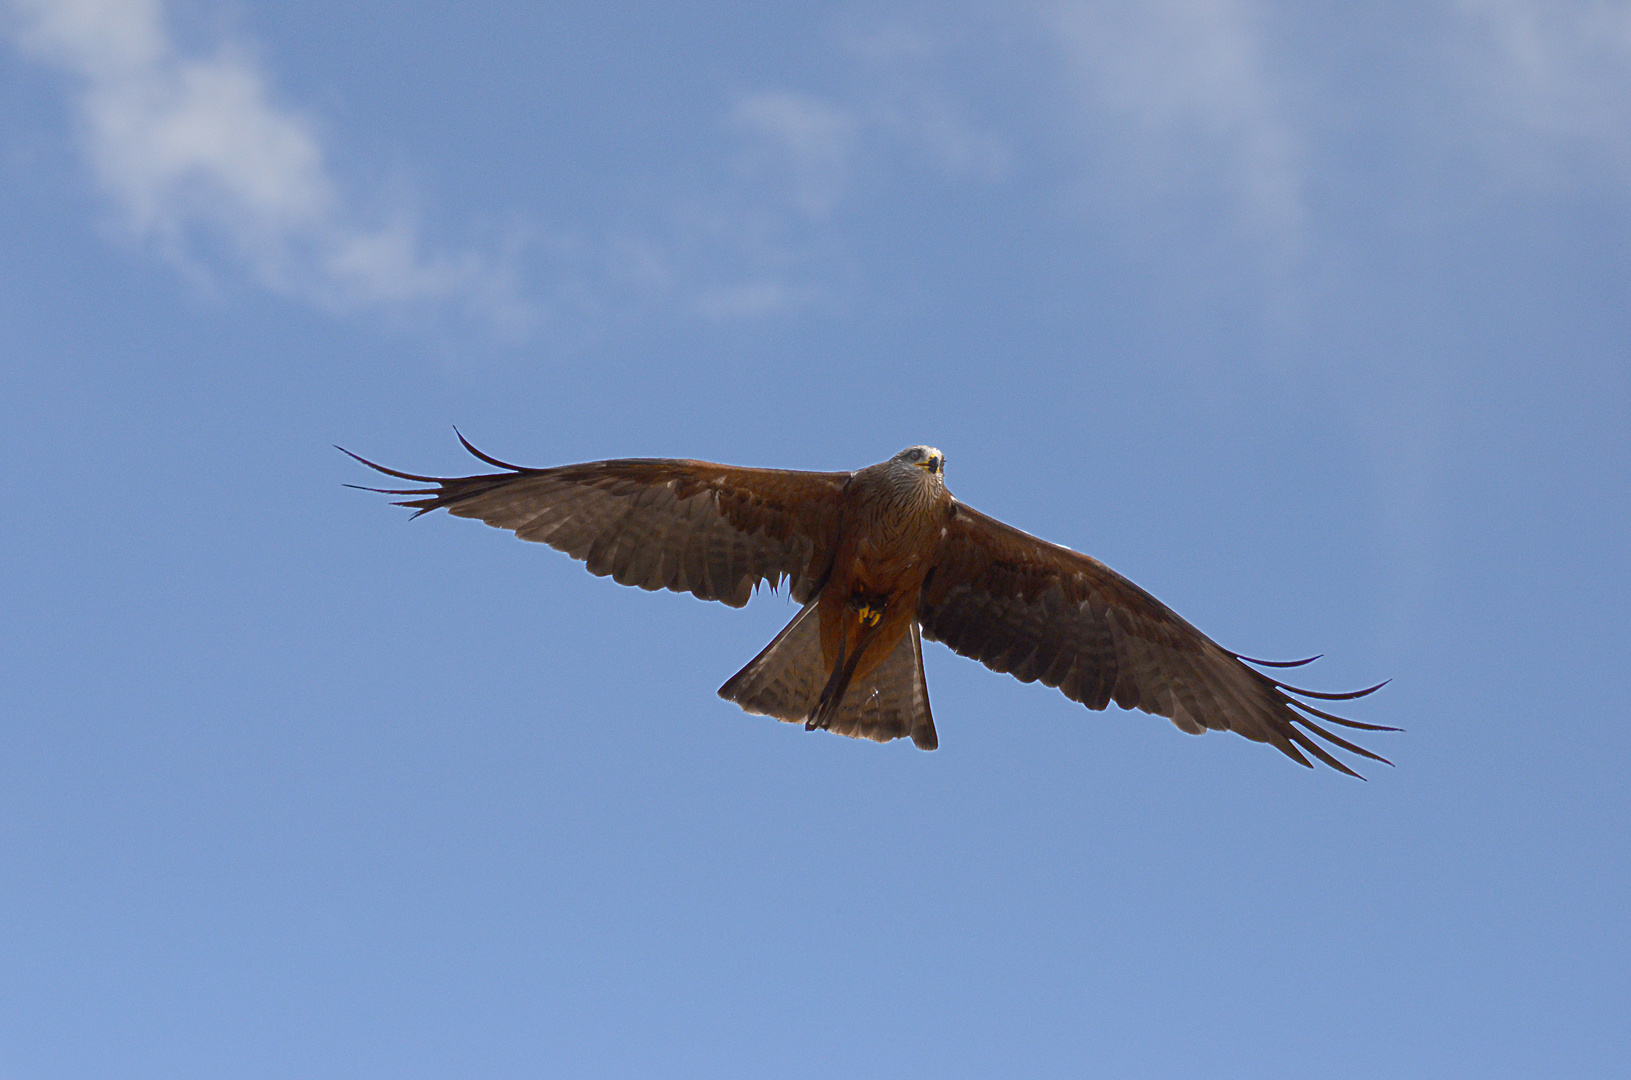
column 786, row 679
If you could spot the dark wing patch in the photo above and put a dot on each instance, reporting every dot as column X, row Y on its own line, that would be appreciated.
column 715, row 531
column 1044, row 613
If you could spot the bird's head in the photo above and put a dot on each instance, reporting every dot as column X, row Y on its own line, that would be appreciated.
column 926, row 458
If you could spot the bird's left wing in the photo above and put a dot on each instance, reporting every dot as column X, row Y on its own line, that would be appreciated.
column 1042, row 612
column 715, row 531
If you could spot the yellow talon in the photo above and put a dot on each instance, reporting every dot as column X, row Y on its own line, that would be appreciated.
column 870, row 615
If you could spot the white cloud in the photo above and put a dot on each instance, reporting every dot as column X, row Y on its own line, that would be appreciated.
column 937, row 125
column 807, row 139
column 1172, row 101
column 201, row 161
column 801, row 160
column 1180, row 100
column 1559, row 70
column 911, row 104
column 754, row 299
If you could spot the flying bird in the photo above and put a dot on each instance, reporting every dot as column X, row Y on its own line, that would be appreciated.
column 880, row 559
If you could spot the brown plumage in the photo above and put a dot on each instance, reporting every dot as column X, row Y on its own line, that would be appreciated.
column 880, row 558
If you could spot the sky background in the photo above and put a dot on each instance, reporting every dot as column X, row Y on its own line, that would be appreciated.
column 1312, row 319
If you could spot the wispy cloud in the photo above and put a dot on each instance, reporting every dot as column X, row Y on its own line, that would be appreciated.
column 807, row 140
column 917, row 79
column 804, row 159
column 1181, row 101
column 1184, row 110
column 202, row 161
column 1556, row 70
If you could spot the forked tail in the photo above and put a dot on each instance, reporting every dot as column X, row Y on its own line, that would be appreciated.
column 785, row 681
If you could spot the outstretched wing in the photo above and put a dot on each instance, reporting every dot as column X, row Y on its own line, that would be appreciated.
column 714, row 531
column 1037, row 611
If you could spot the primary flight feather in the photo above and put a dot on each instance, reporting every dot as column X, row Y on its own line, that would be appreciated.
column 879, row 559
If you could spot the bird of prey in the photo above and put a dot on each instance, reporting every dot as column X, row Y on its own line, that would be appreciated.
column 879, row 559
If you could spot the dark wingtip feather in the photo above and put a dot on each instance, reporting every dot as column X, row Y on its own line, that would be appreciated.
column 1338, row 740
column 388, row 472
column 1323, row 715
column 427, row 499
column 1288, row 728
column 1285, row 747
column 1324, row 696
column 1277, row 663
column 1285, row 725
column 387, row 491
column 487, row 457
column 1319, row 751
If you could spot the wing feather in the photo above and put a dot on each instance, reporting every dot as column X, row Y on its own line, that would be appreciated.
column 716, row 531
column 1042, row 612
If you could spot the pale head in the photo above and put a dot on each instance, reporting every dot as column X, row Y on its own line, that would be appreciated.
column 926, row 458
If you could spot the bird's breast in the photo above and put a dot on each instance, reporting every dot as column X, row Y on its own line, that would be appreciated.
column 885, row 556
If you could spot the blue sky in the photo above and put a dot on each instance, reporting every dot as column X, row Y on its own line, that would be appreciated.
column 1311, row 319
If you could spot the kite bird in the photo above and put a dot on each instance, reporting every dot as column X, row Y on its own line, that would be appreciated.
column 879, row 559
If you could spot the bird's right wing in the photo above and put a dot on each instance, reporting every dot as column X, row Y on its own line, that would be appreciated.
column 715, row 531
column 1039, row 611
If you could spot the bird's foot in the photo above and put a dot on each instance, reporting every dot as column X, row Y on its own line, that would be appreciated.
column 868, row 609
